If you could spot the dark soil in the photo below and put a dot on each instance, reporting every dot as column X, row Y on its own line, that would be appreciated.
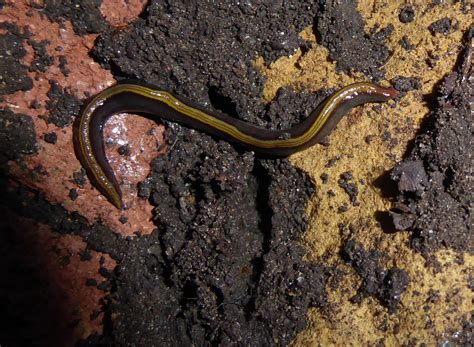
column 386, row 285
column 62, row 106
column 443, row 26
column 406, row 14
column 341, row 29
column 195, row 51
column 225, row 263
column 435, row 180
column 17, row 137
column 84, row 15
column 225, row 256
column 13, row 75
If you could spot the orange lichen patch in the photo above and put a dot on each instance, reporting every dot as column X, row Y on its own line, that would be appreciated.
column 58, row 162
column 368, row 142
column 120, row 13
column 65, row 304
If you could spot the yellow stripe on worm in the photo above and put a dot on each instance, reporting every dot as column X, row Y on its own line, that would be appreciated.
column 132, row 97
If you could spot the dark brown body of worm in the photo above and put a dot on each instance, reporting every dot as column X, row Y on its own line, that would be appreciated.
column 127, row 97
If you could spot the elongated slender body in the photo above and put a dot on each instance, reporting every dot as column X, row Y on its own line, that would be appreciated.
column 130, row 97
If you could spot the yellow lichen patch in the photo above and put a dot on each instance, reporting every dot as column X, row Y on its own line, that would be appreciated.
column 368, row 142
column 310, row 71
column 362, row 144
column 433, row 56
column 430, row 305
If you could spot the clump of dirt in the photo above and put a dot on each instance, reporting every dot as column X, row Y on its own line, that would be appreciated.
column 12, row 51
column 85, row 15
column 62, row 106
column 42, row 59
column 443, row 26
column 387, row 285
column 17, row 136
column 435, row 180
column 339, row 20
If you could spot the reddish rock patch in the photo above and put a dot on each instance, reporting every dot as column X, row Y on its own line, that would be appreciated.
column 53, row 285
column 75, row 71
column 120, row 13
